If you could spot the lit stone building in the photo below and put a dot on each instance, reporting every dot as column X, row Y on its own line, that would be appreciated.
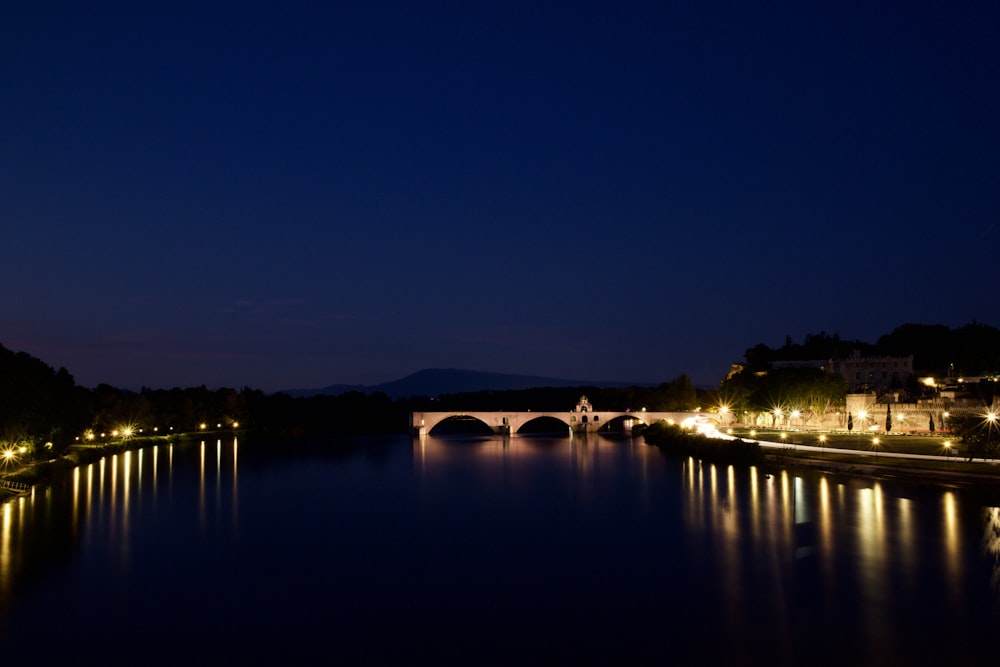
column 875, row 373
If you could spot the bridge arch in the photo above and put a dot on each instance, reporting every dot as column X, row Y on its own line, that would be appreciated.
column 459, row 423
column 626, row 421
column 530, row 425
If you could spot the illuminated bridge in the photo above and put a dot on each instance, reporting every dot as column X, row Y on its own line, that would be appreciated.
column 582, row 419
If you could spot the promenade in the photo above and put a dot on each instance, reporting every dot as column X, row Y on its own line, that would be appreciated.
column 934, row 459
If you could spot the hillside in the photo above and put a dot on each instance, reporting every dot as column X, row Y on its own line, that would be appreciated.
column 436, row 381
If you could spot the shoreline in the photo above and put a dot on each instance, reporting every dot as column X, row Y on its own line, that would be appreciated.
column 963, row 480
column 24, row 480
column 39, row 473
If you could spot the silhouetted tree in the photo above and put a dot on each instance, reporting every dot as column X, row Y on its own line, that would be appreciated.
column 980, row 436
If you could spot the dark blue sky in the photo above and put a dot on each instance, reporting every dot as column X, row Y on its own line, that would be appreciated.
column 283, row 195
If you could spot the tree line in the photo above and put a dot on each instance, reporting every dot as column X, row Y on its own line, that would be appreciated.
column 969, row 350
column 43, row 410
column 761, row 385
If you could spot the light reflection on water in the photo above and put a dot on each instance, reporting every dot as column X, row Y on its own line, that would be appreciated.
column 609, row 541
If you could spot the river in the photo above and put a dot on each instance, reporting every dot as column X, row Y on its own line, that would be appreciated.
column 488, row 550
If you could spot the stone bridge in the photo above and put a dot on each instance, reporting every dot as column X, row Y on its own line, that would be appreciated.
column 582, row 419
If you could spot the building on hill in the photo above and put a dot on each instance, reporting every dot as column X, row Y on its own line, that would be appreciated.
column 875, row 373
column 863, row 374
column 822, row 364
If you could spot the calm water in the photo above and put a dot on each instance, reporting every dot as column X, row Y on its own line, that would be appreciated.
column 484, row 550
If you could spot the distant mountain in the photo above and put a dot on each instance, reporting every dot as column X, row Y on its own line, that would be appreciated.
column 438, row 381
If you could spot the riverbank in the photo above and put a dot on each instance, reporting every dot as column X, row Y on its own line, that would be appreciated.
column 986, row 476
column 926, row 460
column 945, row 470
column 20, row 479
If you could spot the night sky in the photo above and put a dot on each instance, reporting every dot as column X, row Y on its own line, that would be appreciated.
column 288, row 195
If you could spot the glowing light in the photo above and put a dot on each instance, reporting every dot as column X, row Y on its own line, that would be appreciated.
column 9, row 456
column 822, row 440
column 796, row 414
column 862, row 414
column 202, row 426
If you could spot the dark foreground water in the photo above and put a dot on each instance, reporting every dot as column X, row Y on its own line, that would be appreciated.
column 488, row 550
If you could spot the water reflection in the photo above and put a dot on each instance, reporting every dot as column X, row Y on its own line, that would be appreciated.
column 991, row 542
column 855, row 548
column 586, row 539
column 96, row 504
column 839, row 551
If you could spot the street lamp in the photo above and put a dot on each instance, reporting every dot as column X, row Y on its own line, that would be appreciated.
column 8, row 456
column 947, row 452
column 875, row 442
